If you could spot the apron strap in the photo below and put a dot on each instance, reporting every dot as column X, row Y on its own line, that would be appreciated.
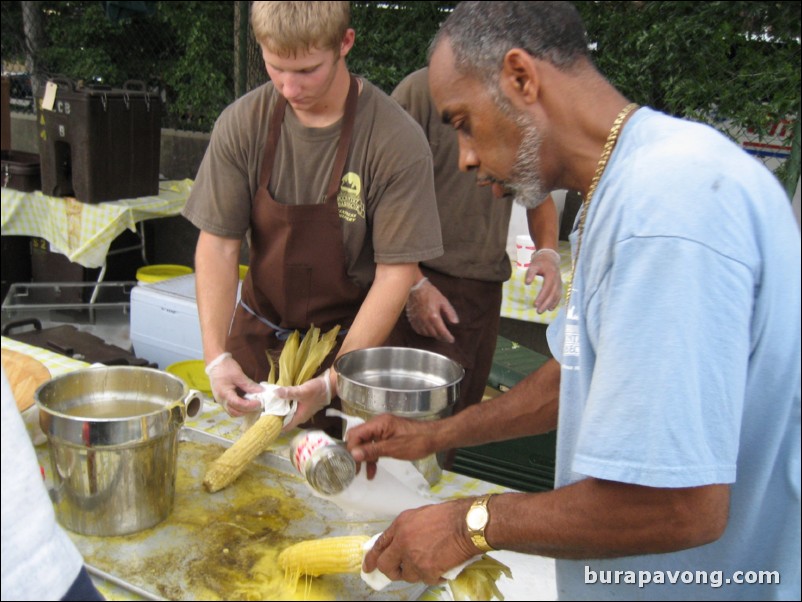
column 345, row 140
column 282, row 334
column 346, row 132
column 276, row 119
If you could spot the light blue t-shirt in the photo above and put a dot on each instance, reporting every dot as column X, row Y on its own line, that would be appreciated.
column 680, row 356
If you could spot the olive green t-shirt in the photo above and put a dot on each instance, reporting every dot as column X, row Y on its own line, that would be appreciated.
column 386, row 200
column 475, row 224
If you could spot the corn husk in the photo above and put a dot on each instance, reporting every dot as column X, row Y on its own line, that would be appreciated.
column 288, row 360
column 317, row 351
column 271, row 376
column 477, row 581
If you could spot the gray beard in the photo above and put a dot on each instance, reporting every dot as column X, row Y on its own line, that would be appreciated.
column 524, row 180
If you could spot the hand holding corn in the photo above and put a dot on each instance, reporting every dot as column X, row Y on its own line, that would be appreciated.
column 333, row 555
column 298, row 361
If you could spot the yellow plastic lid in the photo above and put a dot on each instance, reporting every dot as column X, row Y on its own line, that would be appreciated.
column 193, row 374
column 159, row 272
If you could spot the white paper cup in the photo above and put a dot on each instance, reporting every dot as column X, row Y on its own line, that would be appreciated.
column 524, row 248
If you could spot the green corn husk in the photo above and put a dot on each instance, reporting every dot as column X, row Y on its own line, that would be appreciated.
column 287, row 361
column 300, row 359
column 271, row 377
column 477, row 581
column 319, row 349
column 307, row 346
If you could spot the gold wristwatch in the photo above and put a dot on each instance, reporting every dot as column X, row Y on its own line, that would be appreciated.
column 477, row 518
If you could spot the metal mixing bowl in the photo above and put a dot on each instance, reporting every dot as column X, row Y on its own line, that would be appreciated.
column 398, row 380
column 407, row 382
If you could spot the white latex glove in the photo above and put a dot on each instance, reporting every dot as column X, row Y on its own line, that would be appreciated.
column 225, row 376
column 427, row 311
column 312, row 396
column 546, row 263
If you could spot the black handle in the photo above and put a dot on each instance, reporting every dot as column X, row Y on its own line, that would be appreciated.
column 37, row 325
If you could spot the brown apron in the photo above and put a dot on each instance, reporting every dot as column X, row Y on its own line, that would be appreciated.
column 297, row 275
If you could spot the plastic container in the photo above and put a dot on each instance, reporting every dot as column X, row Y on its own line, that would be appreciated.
column 193, row 374
column 165, row 327
column 526, row 463
column 100, row 143
column 149, row 274
column 100, row 309
column 21, row 171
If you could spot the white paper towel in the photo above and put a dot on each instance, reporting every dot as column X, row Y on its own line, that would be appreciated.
column 524, row 247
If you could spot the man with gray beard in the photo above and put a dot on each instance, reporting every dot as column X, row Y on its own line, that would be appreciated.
column 676, row 373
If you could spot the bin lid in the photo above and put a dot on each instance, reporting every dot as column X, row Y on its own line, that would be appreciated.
column 164, row 271
column 192, row 372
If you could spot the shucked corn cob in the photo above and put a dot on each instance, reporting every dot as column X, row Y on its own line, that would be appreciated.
column 328, row 556
column 225, row 470
column 298, row 362
column 332, row 555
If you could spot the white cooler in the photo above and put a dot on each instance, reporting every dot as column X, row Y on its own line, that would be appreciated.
column 165, row 327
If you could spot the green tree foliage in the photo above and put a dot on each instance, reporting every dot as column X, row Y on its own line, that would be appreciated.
column 183, row 50
column 735, row 60
column 738, row 61
column 392, row 38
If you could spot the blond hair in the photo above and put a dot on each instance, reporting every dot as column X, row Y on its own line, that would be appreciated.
column 287, row 28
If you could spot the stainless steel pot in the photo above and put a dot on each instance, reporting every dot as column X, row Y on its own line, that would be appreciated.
column 112, row 433
column 407, row 382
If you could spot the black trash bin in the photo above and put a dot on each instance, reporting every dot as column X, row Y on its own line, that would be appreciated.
column 21, row 171
column 99, row 143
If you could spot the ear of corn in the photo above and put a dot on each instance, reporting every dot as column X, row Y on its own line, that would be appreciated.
column 298, row 362
column 327, row 556
column 332, row 555
column 230, row 465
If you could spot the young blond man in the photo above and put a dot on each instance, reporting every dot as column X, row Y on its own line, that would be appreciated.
column 333, row 181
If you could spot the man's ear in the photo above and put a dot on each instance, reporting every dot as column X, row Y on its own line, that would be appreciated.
column 520, row 79
column 347, row 42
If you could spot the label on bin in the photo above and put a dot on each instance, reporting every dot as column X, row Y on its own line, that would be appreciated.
column 49, row 98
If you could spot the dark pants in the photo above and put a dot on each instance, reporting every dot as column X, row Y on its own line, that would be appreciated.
column 478, row 305
column 83, row 588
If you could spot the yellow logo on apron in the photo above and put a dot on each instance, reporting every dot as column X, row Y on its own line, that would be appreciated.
column 349, row 199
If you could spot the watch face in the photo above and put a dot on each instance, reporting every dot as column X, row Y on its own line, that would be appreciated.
column 477, row 517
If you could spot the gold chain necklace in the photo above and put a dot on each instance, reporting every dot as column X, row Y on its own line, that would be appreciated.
column 609, row 145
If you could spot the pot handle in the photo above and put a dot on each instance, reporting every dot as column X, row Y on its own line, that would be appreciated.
column 193, row 403
column 190, row 406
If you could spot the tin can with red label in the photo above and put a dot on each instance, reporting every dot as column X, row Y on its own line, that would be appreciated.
column 325, row 463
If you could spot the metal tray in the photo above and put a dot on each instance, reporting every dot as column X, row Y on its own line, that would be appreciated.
column 223, row 546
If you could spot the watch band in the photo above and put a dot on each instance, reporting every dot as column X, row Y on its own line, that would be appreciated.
column 478, row 534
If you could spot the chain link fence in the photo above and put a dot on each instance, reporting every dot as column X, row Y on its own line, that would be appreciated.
column 200, row 56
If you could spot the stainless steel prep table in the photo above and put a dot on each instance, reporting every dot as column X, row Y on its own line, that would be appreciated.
column 533, row 577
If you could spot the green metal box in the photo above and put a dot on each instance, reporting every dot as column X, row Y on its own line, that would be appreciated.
column 526, row 464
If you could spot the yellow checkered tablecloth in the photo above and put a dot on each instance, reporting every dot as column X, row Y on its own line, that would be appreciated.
column 84, row 231
column 212, row 419
column 518, row 297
